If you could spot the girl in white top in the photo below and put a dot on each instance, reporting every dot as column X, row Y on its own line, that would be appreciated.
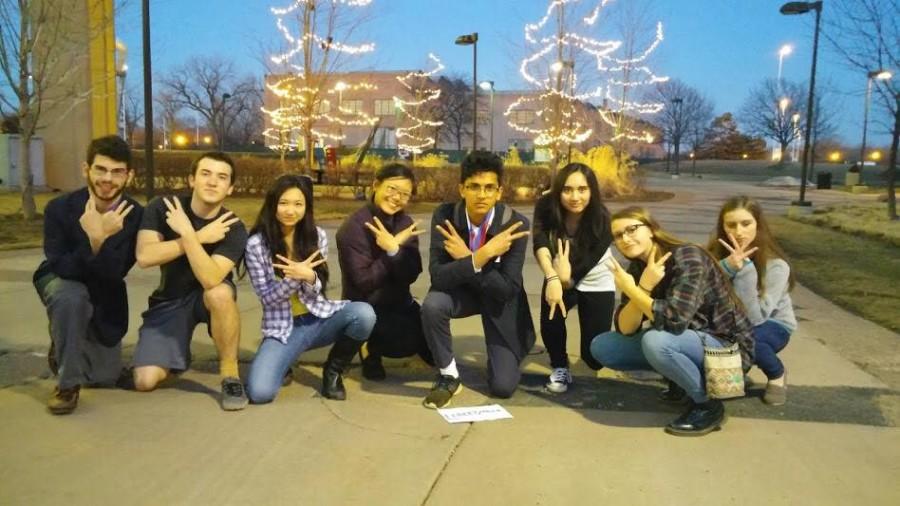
column 571, row 243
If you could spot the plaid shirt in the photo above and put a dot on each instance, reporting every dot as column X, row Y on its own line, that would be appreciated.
column 275, row 294
column 694, row 294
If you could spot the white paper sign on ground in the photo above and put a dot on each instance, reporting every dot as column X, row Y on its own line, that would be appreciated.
column 475, row 414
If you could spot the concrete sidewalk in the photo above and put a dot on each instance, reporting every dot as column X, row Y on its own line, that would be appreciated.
column 835, row 442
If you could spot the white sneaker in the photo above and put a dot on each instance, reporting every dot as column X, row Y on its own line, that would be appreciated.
column 560, row 379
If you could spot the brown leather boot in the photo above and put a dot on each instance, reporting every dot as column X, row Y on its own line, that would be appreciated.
column 64, row 401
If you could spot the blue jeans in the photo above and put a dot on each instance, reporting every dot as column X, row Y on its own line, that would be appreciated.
column 274, row 358
column 770, row 339
column 677, row 357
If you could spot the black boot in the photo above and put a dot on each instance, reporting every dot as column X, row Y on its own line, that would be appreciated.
column 338, row 359
column 700, row 419
column 673, row 394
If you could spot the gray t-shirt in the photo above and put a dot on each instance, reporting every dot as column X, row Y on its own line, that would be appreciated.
column 176, row 277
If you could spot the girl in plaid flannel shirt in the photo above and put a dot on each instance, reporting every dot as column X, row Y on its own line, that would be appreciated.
column 680, row 290
column 285, row 257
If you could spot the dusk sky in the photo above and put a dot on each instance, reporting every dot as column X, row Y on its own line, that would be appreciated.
column 723, row 48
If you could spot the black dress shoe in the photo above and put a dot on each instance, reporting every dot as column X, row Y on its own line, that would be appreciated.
column 700, row 419
column 674, row 394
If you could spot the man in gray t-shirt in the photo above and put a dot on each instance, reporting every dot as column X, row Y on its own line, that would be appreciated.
column 196, row 243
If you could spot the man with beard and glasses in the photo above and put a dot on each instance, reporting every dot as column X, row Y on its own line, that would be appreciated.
column 89, row 242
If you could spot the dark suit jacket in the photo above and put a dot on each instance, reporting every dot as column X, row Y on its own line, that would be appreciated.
column 69, row 256
column 499, row 284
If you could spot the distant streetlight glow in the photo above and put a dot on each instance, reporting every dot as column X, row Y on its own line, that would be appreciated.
column 876, row 155
column 207, row 139
column 180, row 140
column 881, row 75
column 783, row 103
column 835, row 156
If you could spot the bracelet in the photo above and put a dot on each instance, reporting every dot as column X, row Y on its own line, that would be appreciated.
column 551, row 278
column 644, row 289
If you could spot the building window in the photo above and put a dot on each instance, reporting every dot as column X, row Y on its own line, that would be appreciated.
column 351, row 106
column 384, row 107
column 324, row 107
column 522, row 117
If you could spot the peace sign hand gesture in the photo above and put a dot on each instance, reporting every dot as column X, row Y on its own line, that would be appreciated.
column 655, row 269
column 113, row 220
column 624, row 281
column 561, row 263
column 301, row 271
column 389, row 242
column 500, row 243
column 454, row 245
column 738, row 255
column 216, row 230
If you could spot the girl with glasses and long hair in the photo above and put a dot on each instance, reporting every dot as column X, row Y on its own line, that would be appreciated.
column 378, row 250
column 571, row 244
column 762, row 279
column 680, row 290
column 286, row 259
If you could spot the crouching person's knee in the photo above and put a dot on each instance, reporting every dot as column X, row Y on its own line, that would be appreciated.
column 503, row 387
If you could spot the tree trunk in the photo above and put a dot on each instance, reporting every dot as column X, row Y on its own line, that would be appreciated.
column 781, row 159
column 892, row 164
column 26, row 178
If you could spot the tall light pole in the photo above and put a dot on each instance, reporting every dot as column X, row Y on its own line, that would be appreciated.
column 789, row 9
column 465, row 40
column 225, row 97
column 784, row 51
column 489, row 86
column 148, row 98
column 795, row 118
column 677, row 104
column 881, row 75
column 121, row 56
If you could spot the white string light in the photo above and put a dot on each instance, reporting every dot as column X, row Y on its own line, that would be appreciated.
column 562, row 102
column 413, row 137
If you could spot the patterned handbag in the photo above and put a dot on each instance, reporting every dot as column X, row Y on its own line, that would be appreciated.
column 724, row 373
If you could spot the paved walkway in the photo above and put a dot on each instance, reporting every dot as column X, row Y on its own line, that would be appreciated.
column 835, row 442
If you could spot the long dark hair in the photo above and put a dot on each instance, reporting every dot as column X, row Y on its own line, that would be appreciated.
column 768, row 247
column 306, row 238
column 594, row 222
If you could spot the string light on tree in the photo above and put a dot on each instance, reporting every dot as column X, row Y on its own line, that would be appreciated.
column 305, row 95
column 413, row 136
column 566, row 117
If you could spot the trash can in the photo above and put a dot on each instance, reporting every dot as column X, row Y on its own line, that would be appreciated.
column 823, row 181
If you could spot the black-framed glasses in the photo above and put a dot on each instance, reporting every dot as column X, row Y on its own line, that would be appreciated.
column 629, row 231
column 488, row 189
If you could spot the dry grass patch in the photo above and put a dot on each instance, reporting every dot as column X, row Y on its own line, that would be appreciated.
column 860, row 274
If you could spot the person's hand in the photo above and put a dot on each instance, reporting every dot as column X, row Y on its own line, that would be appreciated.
column 114, row 220
column 410, row 231
column 561, row 263
column 624, row 281
column 454, row 245
column 216, row 230
column 91, row 222
column 738, row 254
column 553, row 294
column 177, row 219
column 388, row 242
column 301, row 271
column 655, row 269
column 500, row 243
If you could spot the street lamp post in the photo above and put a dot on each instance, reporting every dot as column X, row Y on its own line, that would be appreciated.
column 465, row 40
column 788, row 9
column 225, row 97
column 489, row 86
column 121, row 56
column 875, row 74
column 148, row 98
column 677, row 104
